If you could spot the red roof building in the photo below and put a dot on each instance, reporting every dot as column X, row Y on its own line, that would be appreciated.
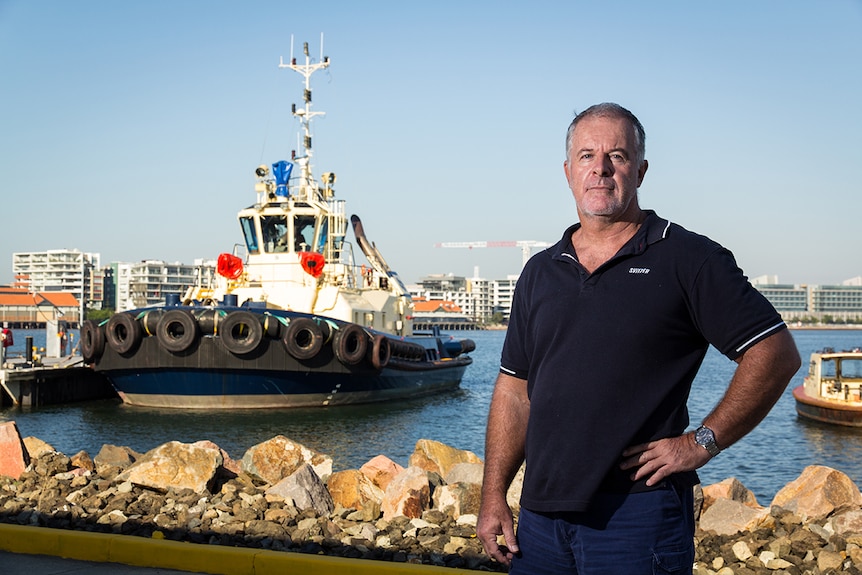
column 428, row 313
column 20, row 308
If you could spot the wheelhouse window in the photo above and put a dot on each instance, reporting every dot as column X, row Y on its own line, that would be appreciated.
column 274, row 229
column 250, row 234
column 303, row 233
column 324, row 233
column 851, row 369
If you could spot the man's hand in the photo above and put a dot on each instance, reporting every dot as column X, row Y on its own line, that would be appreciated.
column 495, row 519
column 657, row 460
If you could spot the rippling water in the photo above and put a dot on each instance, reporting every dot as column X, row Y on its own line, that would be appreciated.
column 768, row 458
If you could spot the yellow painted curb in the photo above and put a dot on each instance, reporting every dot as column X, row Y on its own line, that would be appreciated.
column 215, row 559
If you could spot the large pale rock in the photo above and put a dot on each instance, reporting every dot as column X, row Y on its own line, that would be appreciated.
column 439, row 457
column 230, row 466
column 465, row 473
column 462, row 498
column 730, row 488
column 306, row 489
column 381, row 471
column 818, row 492
column 352, row 489
column 36, row 447
column 408, row 495
column 279, row 457
column 728, row 517
column 114, row 456
column 13, row 454
column 174, row 465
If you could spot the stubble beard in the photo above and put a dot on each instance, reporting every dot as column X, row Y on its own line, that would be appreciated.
column 606, row 204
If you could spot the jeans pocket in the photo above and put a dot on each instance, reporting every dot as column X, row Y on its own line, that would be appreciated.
column 666, row 562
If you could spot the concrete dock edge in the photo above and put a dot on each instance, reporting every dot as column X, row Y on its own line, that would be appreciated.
column 194, row 557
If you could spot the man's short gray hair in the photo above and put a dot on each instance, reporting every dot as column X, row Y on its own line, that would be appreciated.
column 610, row 110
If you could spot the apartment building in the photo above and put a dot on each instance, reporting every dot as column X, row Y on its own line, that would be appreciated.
column 842, row 303
column 478, row 298
column 54, row 271
column 151, row 281
column 67, row 271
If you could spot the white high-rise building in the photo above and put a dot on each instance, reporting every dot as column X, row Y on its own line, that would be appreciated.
column 477, row 297
column 55, row 271
column 151, row 280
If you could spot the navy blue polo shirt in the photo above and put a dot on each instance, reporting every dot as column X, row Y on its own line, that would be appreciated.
column 609, row 357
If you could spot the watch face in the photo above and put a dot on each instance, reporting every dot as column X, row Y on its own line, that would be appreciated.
column 704, row 435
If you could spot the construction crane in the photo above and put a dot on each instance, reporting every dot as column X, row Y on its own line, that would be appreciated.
column 525, row 245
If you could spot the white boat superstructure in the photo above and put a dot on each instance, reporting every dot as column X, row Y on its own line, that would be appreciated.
column 836, row 376
column 297, row 254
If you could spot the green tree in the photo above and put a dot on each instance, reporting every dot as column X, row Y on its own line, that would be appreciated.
column 99, row 315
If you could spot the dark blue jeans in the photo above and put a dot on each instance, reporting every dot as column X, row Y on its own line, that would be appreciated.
column 623, row 534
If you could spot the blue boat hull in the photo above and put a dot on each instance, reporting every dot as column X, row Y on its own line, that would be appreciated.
column 212, row 389
column 276, row 368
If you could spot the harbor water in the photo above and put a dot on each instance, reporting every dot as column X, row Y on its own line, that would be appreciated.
column 764, row 461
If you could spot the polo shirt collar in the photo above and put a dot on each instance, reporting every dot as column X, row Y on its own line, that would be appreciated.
column 653, row 229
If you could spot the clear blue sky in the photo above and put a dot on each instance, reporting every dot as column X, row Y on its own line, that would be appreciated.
column 132, row 129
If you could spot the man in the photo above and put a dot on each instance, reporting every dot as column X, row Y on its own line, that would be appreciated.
column 5, row 341
column 607, row 332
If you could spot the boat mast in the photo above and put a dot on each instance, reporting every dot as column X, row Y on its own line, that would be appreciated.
column 307, row 184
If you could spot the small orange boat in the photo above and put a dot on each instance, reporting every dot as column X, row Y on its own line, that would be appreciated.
column 832, row 390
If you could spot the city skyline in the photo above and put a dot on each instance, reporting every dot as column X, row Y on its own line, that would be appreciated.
column 849, row 280
column 134, row 129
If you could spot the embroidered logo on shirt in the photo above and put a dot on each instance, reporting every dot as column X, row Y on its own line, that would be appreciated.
column 638, row 270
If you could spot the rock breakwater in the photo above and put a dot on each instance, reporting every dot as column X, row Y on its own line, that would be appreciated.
column 284, row 496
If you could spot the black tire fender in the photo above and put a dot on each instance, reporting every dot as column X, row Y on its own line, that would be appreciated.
column 241, row 332
column 303, row 338
column 380, row 351
column 123, row 333
column 177, row 330
column 92, row 341
column 350, row 343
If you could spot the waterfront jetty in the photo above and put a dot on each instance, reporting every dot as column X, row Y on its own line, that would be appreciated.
column 50, row 381
column 282, row 496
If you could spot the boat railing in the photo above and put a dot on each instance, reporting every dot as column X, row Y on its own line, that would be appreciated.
column 354, row 275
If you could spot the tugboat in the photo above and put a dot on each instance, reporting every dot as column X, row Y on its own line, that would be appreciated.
column 295, row 323
column 832, row 390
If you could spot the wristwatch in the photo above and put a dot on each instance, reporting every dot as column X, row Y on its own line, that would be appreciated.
column 705, row 437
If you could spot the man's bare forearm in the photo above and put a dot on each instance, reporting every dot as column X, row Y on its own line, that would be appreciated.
column 506, row 434
column 760, row 378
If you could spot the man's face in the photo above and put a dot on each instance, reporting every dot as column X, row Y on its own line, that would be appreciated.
column 602, row 168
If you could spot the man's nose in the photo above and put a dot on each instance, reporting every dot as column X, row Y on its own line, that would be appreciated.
column 603, row 166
